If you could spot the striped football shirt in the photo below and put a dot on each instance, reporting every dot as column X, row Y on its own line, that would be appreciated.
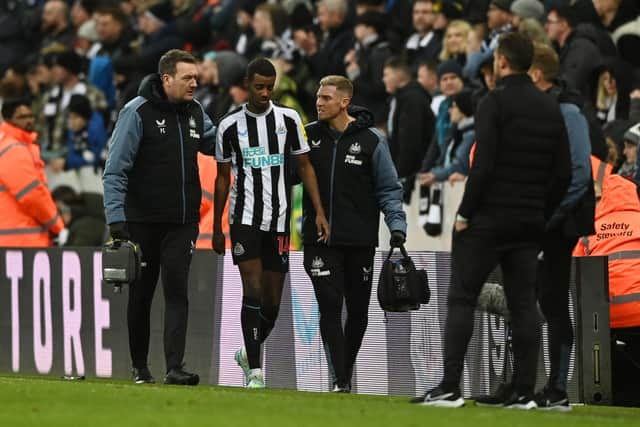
column 259, row 147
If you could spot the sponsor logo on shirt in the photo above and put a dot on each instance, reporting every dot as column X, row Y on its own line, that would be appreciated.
column 257, row 158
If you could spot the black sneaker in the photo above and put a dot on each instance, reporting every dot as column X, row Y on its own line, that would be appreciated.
column 142, row 376
column 180, row 377
column 550, row 399
column 438, row 397
column 496, row 399
column 521, row 401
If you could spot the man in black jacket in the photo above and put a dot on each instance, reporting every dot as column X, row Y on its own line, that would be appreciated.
column 357, row 180
column 578, row 55
column 520, row 173
column 410, row 124
column 326, row 55
column 152, row 197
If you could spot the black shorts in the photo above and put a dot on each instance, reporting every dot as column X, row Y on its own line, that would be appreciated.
column 249, row 243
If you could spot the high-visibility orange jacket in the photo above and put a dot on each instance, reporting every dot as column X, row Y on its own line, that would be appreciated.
column 600, row 170
column 28, row 214
column 618, row 236
column 207, row 168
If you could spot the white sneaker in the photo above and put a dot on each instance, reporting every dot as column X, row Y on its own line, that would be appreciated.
column 255, row 379
column 241, row 359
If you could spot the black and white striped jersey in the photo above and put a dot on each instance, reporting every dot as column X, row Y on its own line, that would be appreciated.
column 260, row 145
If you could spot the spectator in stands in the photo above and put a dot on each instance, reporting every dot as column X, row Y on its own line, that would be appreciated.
column 499, row 21
column 67, row 80
column 453, row 160
column 578, row 55
column 326, row 55
column 16, row 35
column 525, row 9
column 285, row 91
column 533, row 29
column 450, row 78
column 627, row 40
column 448, row 11
column 614, row 79
column 56, row 31
column 427, row 76
column 410, row 122
column 219, row 72
column 86, row 144
column 455, row 41
column 615, row 13
column 397, row 17
column 425, row 44
column 86, row 38
column 208, row 79
column 243, row 33
column 83, row 215
column 271, row 38
column 14, row 83
column 631, row 140
column 618, row 237
column 82, row 11
column 365, row 64
column 487, row 79
column 114, row 32
column 28, row 215
column 158, row 27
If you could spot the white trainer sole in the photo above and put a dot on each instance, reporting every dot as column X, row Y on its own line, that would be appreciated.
column 458, row 403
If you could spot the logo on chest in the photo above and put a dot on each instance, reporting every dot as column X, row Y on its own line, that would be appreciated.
column 192, row 129
column 315, row 144
column 162, row 126
column 353, row 151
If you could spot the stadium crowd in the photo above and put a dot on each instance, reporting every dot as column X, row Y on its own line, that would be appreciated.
column 68, row 67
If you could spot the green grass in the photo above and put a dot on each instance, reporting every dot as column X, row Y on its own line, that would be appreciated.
column 38, row 401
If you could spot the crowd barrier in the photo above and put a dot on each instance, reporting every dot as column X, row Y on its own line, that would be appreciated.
column 417, row 238
column 57, row 318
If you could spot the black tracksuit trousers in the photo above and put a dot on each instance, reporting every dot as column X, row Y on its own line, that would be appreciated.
column 166, row 250
column 476, row 252
column 341, row 273
column 554, row 272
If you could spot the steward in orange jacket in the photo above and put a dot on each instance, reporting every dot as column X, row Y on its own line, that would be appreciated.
column 618, row 236
column 600, row 170
column 28, row 215
column 207, row 170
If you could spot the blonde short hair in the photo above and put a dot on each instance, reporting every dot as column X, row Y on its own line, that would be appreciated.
column 341, row 83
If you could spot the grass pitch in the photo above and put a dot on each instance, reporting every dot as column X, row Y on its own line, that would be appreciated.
column 44, row 401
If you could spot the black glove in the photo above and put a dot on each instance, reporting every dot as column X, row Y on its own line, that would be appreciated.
column 119, row 231
column 397, row 239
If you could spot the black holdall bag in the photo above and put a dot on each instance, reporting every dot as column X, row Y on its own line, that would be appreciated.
column 401, row 286
column 121, row 263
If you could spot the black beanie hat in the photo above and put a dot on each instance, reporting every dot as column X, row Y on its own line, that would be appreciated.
column 80, row 105
column 449, row 66
column 464, row 101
